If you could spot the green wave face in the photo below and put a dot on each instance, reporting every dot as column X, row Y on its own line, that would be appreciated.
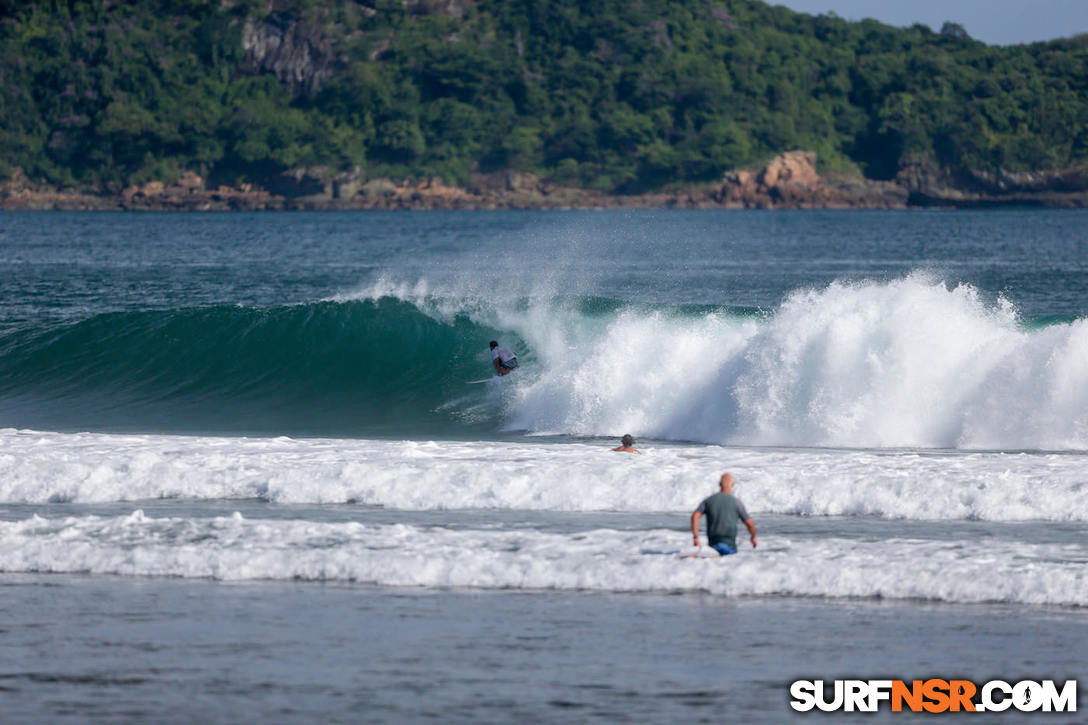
column 906, row 363
column 325, row 368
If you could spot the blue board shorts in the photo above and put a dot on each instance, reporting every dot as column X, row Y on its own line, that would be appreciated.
column 723, row 549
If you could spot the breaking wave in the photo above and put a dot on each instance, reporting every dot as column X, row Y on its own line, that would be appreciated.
column 913, row 362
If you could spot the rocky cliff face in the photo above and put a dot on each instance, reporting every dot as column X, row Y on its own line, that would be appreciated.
column 929, row 185
column 299, row 54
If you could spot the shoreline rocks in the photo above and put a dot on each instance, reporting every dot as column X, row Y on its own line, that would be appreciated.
column 788, row 181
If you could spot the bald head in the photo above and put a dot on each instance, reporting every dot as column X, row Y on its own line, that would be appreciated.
column 727, row 483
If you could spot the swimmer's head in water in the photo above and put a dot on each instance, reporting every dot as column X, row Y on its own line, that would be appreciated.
column 628, row 440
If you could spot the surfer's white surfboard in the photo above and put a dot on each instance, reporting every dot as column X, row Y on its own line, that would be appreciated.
column 478, row 382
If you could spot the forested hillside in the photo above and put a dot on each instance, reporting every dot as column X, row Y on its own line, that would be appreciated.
column 621, row 96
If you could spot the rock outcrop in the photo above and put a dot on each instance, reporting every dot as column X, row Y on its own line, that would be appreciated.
column 928, row 185
column 189, row 194
column 297, row 53
column 788, row 181
column 19, row 192
column 791, row 181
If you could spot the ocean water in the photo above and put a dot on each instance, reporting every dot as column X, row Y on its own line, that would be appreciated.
column 247, row 465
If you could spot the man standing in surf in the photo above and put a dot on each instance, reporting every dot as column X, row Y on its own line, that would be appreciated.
column 723, row 510
column 503, row 360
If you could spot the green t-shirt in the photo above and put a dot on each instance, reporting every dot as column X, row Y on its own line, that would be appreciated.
column 722, row 511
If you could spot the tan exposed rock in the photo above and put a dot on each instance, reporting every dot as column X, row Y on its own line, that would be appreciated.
column 796, row 168
column 522, row 181
column 791, row 181
column 378, row 187
column 787, row 180
column 151, row 188
column 190, row 181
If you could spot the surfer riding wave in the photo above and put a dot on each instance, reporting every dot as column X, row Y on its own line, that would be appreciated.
column 503, row 360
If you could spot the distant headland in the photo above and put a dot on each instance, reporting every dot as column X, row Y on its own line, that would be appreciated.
column 489, row 104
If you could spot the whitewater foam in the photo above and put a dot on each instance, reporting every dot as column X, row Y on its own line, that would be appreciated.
column 235, row 548
column 912, row 362
column 570, row 476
